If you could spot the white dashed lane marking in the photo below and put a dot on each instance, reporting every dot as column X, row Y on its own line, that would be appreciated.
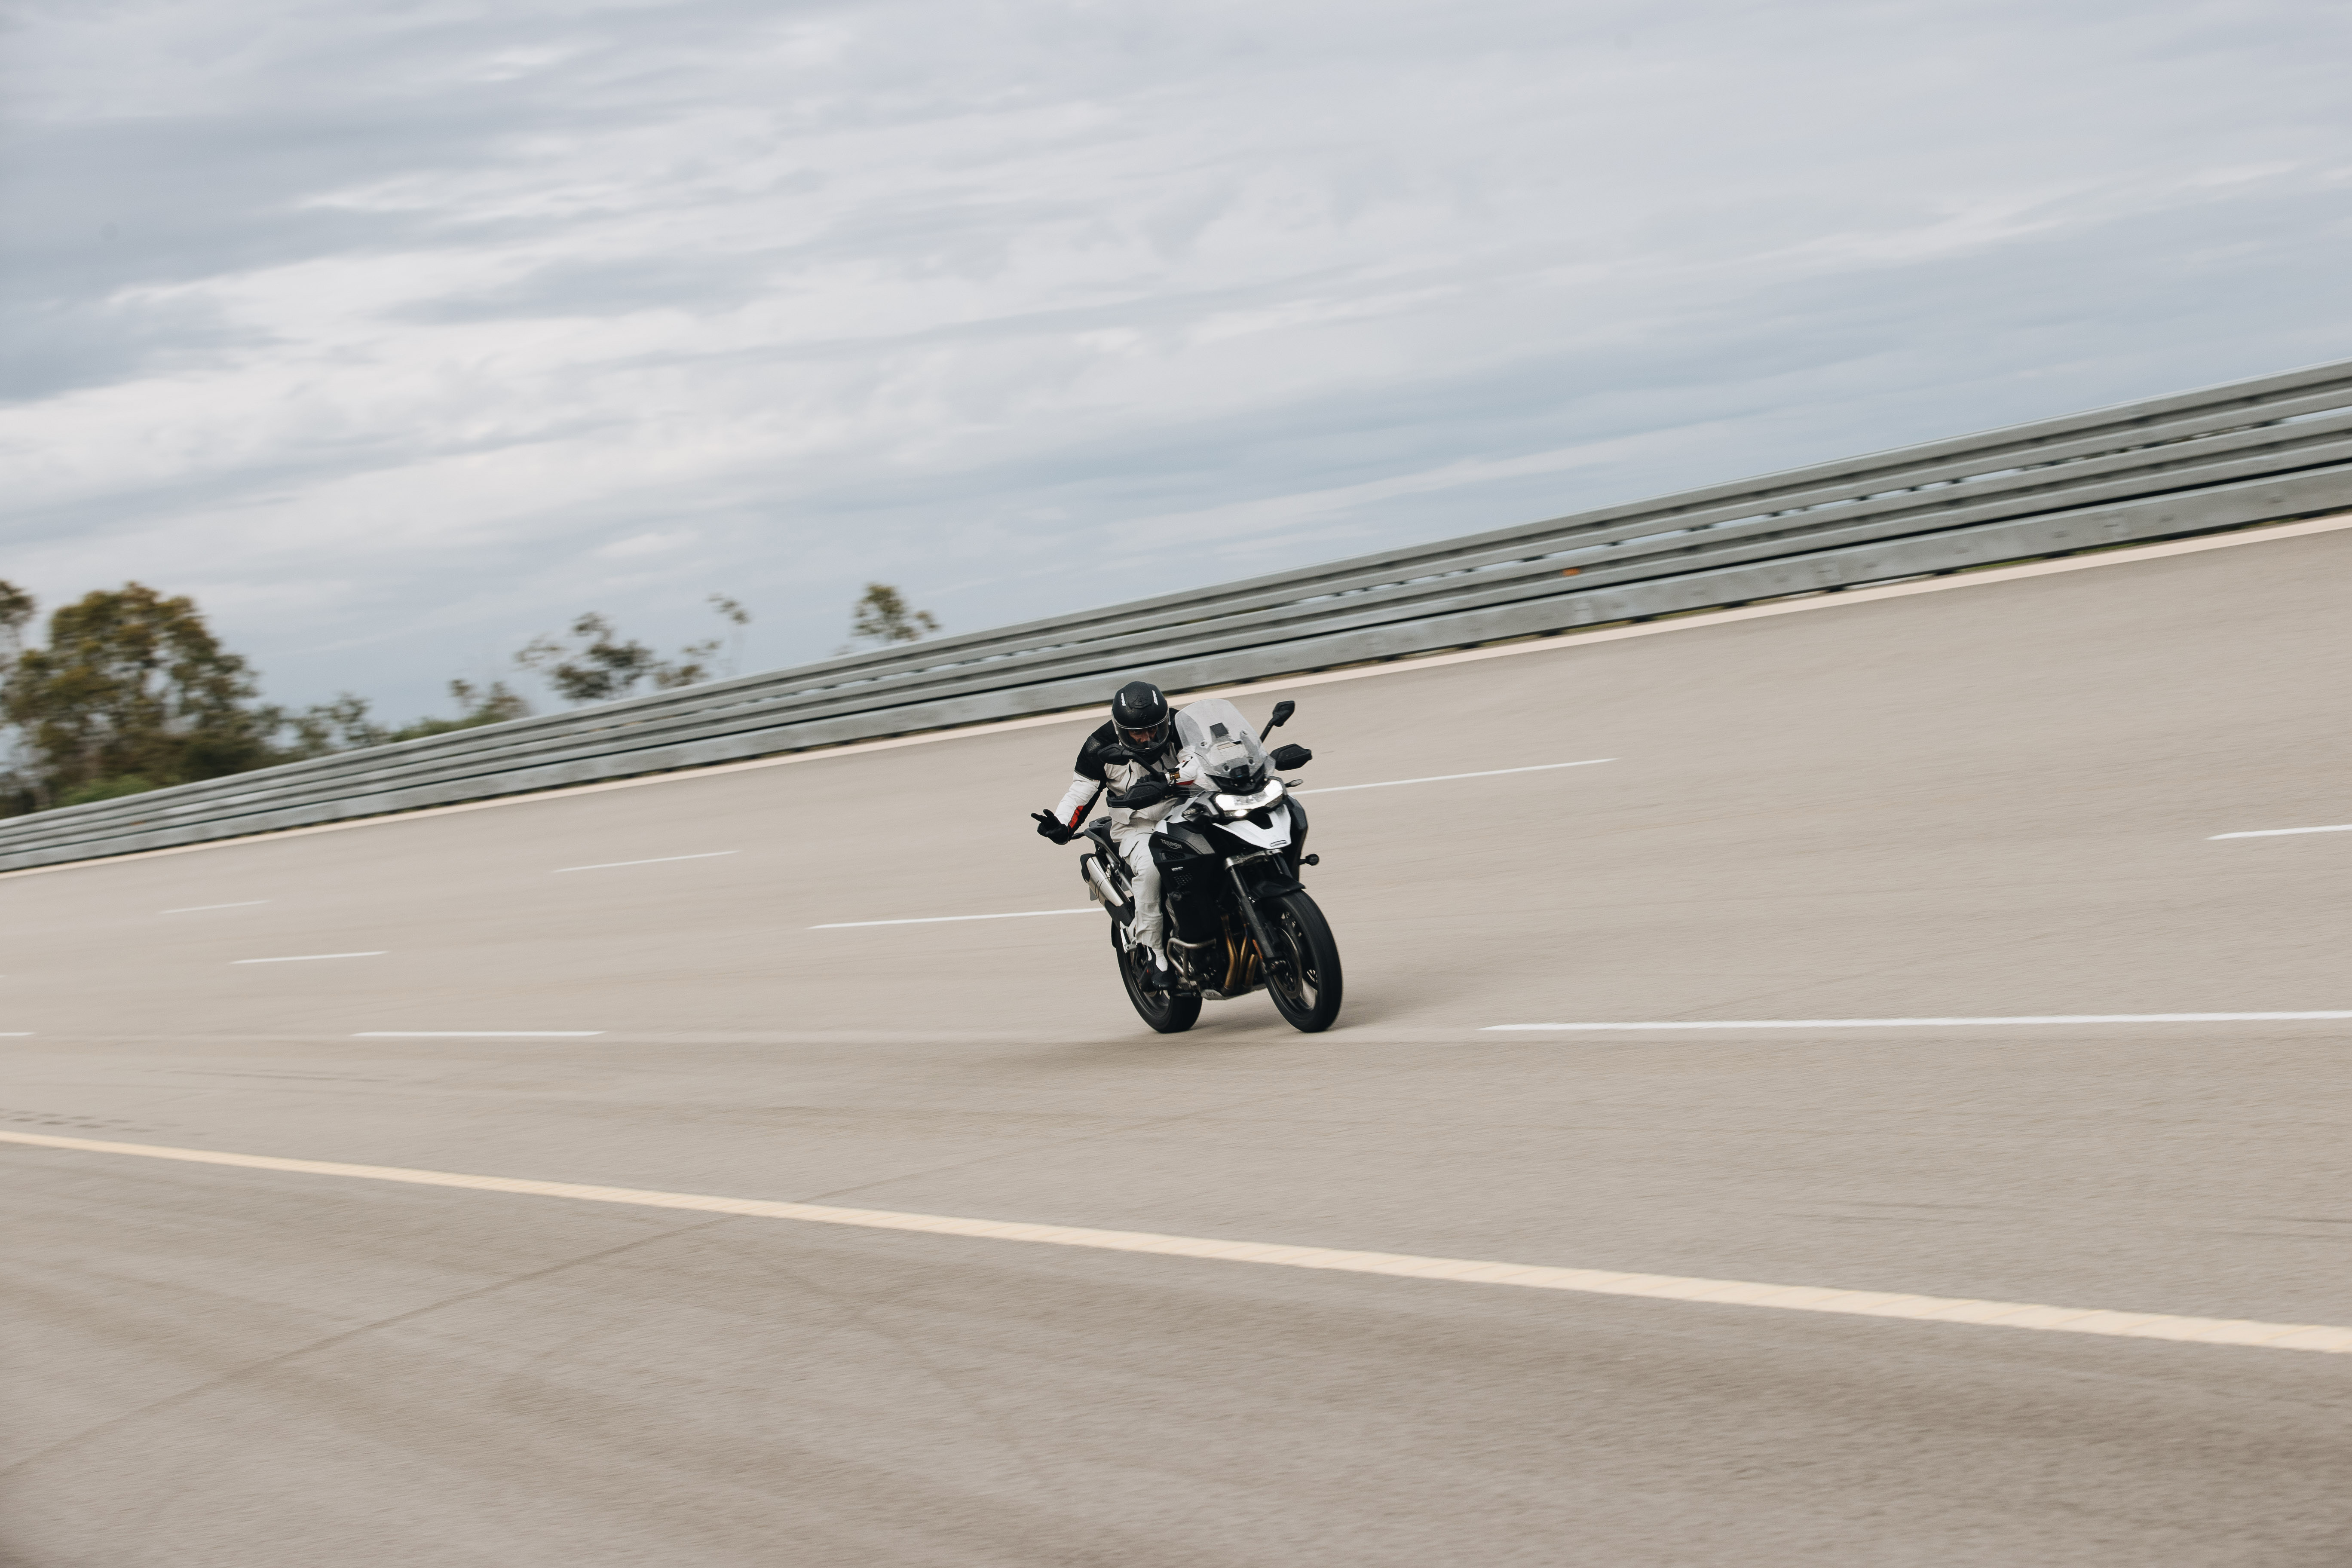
column 1335, row 789
column 2284, row 832
column 476, row 1033
column 1462, row 1270
column 656, row 860
column 307, row 957
column 198, row 908
column 1935, row 1023
column 1445, row 778
column 942, row 919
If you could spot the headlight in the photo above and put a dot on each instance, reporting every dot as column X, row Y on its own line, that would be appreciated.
column 1242, row 805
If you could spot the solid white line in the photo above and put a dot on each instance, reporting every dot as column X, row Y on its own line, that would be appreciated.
column 306, row 957
column 16, row 1033
column 1937, row 1022
column 2284, row 832
column 940, row 919
column 656, row 860
column 1444, row 778
column 1463, row 1270
column 193, row 909
column 476, row 1033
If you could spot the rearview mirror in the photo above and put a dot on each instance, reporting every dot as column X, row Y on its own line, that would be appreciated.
column 1282, row 713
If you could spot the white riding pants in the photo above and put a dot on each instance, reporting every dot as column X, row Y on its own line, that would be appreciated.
column 1148, row 925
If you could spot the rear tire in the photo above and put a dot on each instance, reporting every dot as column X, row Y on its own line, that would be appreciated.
column 1302, row 975
column 1168, row 1012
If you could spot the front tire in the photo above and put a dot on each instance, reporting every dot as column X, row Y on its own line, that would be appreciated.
column 1302, row 975
column 1168, row 1012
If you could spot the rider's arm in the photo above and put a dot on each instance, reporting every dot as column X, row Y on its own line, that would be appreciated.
column 1089, row 778
column 1078, row 799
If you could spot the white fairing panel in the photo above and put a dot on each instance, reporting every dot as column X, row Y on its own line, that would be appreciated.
column 1216, row 742
column 1276, row 836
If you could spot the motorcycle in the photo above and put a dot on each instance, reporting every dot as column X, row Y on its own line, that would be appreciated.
column 1230, row 856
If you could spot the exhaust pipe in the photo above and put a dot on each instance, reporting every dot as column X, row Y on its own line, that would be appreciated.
column 1098, row 883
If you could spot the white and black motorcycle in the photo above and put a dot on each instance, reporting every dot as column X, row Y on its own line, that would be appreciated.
column 1230, row 857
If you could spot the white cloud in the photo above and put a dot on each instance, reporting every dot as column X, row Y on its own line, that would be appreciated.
column 659, row 543
column 417, row 324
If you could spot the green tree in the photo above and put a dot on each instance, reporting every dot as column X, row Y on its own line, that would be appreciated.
column 133, row 692
column 881, row 616
column 348, row 722
column 735, row 615
column 592, row 663
column 342, row 725
column 16, row 609
column 477, row 706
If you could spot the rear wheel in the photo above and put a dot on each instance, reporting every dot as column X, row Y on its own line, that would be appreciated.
column 1302, row 973
column 1169, row 1012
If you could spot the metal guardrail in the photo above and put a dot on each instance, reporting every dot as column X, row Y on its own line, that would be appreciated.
column 2249, row 451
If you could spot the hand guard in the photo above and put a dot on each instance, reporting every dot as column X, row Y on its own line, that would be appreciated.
column 1052, row 827
column 1143, row 792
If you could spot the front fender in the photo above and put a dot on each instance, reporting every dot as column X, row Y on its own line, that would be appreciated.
column 1268, row 879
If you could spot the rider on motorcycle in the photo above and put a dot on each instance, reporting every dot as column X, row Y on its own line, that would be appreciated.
column 1133, row 757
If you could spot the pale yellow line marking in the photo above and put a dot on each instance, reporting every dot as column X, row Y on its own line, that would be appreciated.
column 1565, row 642
column 1586, row 1281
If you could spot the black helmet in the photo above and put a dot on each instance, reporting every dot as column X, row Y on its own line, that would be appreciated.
column 1140, row 712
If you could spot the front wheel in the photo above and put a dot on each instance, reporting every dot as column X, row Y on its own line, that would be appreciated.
column 1168, row 1012
column 1302, row 975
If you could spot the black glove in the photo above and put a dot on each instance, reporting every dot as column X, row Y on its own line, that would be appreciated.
column 1052, row 827
column 1145, row 792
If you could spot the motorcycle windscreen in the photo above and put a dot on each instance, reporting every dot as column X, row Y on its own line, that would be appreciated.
column 1218, row 747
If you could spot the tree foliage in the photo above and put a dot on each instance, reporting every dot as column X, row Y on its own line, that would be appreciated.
column 881, row 616
column 16, row 609
column 348, row 722
column 593, row 662
column 133, row 692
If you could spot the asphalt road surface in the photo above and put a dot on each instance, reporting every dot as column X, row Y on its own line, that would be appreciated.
column 1993, row 801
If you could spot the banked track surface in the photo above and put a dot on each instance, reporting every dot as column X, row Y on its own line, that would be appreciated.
column 2274, row 448
column 1993, row 801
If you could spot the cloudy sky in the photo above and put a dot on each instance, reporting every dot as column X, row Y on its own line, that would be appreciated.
column 397, row 330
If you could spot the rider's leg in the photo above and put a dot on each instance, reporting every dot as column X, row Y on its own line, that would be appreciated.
column 1148, row 925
